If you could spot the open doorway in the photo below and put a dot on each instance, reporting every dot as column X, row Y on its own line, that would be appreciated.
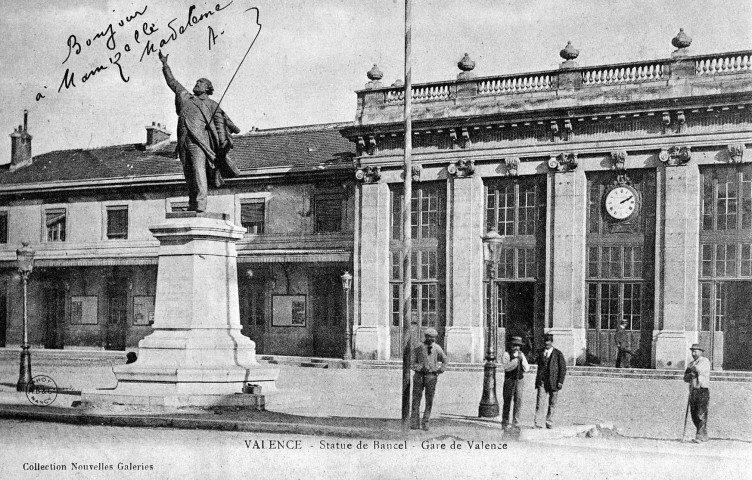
column 517, row 313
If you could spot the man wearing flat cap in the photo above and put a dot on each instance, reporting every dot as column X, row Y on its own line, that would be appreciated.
column 428, row 362
column 552, row 368
column 515, row 364
column 697, row 375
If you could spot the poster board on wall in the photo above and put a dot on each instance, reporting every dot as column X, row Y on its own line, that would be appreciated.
column 288, row 310
column 143, row 310
column 84, row 310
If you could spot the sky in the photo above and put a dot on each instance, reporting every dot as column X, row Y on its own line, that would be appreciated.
column 309, row 57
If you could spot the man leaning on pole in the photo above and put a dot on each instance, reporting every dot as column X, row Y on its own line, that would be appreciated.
column 428, row 362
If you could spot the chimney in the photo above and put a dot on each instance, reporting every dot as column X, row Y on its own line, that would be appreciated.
column 20, row 141
column 156, row 133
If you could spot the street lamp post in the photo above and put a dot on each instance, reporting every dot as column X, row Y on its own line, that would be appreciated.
column 489, row 404
column 25, row 263
column 346, row 284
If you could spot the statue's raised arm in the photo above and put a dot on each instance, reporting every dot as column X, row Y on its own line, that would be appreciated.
column 174, row 85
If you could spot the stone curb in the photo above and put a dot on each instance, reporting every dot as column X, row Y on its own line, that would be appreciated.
column 234, row 425
column 195, row 424
column 212, row 423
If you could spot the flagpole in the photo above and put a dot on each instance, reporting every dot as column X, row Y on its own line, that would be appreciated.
column 406, row 230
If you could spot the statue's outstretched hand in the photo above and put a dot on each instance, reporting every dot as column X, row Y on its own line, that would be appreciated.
column 163, row 58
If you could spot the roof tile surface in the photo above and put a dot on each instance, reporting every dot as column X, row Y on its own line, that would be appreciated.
column 295, row 147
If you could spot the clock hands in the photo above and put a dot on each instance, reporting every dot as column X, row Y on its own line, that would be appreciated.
column 626, row 200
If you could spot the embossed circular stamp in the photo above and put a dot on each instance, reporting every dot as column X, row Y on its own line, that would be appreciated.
column 43, row 391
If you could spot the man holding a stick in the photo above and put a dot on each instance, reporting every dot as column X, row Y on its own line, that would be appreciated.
column 697, row 375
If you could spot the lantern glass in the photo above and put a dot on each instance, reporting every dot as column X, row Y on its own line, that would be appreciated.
column 346, row 280
column 25, row 258
column 491, row 243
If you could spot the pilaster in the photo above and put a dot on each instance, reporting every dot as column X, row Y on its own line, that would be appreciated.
column 676, row 329
column 465, row 332
column 566, row 275
column 372, row 265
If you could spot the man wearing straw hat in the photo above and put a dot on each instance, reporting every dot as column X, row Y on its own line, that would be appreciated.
column 428, row 362
column 698, row 377
column 515, row 364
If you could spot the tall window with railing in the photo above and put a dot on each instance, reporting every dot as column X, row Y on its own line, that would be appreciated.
column 725, row 262
column 428, row 226
column 516, row 207
column 620, row 267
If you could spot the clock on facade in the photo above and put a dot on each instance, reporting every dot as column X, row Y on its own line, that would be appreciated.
column 621, row 202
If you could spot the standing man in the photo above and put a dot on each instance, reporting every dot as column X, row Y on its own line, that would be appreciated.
column 428, row 362
column 515, row 364
column 203, row 138
column 697, row 375
column 621, row 338
column 552, row 369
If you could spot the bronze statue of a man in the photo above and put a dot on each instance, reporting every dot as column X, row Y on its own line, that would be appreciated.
column 203, row 137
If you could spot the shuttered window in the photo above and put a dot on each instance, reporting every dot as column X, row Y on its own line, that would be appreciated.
column 252, row 214
column 54, row 220
column 117, row 222
column 328, row 212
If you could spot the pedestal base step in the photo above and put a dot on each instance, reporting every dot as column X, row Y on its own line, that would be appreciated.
column 112, row 399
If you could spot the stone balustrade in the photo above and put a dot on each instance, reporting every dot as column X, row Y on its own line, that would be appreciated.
column 564, row 87
column 515, row 84
column 633, row 73
column 723, row 63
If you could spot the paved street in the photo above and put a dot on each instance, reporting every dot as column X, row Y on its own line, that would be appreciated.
column 638, row 408
column 187, row 454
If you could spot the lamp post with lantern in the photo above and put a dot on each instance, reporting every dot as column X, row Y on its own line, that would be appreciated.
column 346, row 285
column 489, row 404
column 25, row 263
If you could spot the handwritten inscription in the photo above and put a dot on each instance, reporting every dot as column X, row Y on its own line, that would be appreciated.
column 117, row 38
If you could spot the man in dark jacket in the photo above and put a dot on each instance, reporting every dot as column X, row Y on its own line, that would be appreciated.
column 552, row 369
column 203, row 137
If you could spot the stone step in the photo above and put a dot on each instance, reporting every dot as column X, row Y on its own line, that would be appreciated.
column 72, row 357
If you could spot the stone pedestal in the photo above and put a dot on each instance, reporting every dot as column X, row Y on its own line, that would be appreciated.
column 671, row 348
column 196, row 355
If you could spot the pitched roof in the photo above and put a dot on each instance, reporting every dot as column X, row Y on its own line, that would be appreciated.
column 294, row 147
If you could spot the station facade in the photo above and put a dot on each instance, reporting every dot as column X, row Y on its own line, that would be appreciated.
column 620, row 192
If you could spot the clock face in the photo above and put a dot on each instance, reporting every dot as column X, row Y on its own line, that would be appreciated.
column 621, row 202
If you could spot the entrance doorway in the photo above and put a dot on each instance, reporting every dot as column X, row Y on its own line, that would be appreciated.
column 517, row 310
column 328, row 316
column 726, row 323
column 54, row 314
column 737, row 330
column 117, row 314
column 252, row 317
column 3, row 312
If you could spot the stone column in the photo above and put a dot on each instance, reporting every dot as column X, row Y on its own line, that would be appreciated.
column 676, row 326
column 565, row 277
column 372, row 265
column 465, row 321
